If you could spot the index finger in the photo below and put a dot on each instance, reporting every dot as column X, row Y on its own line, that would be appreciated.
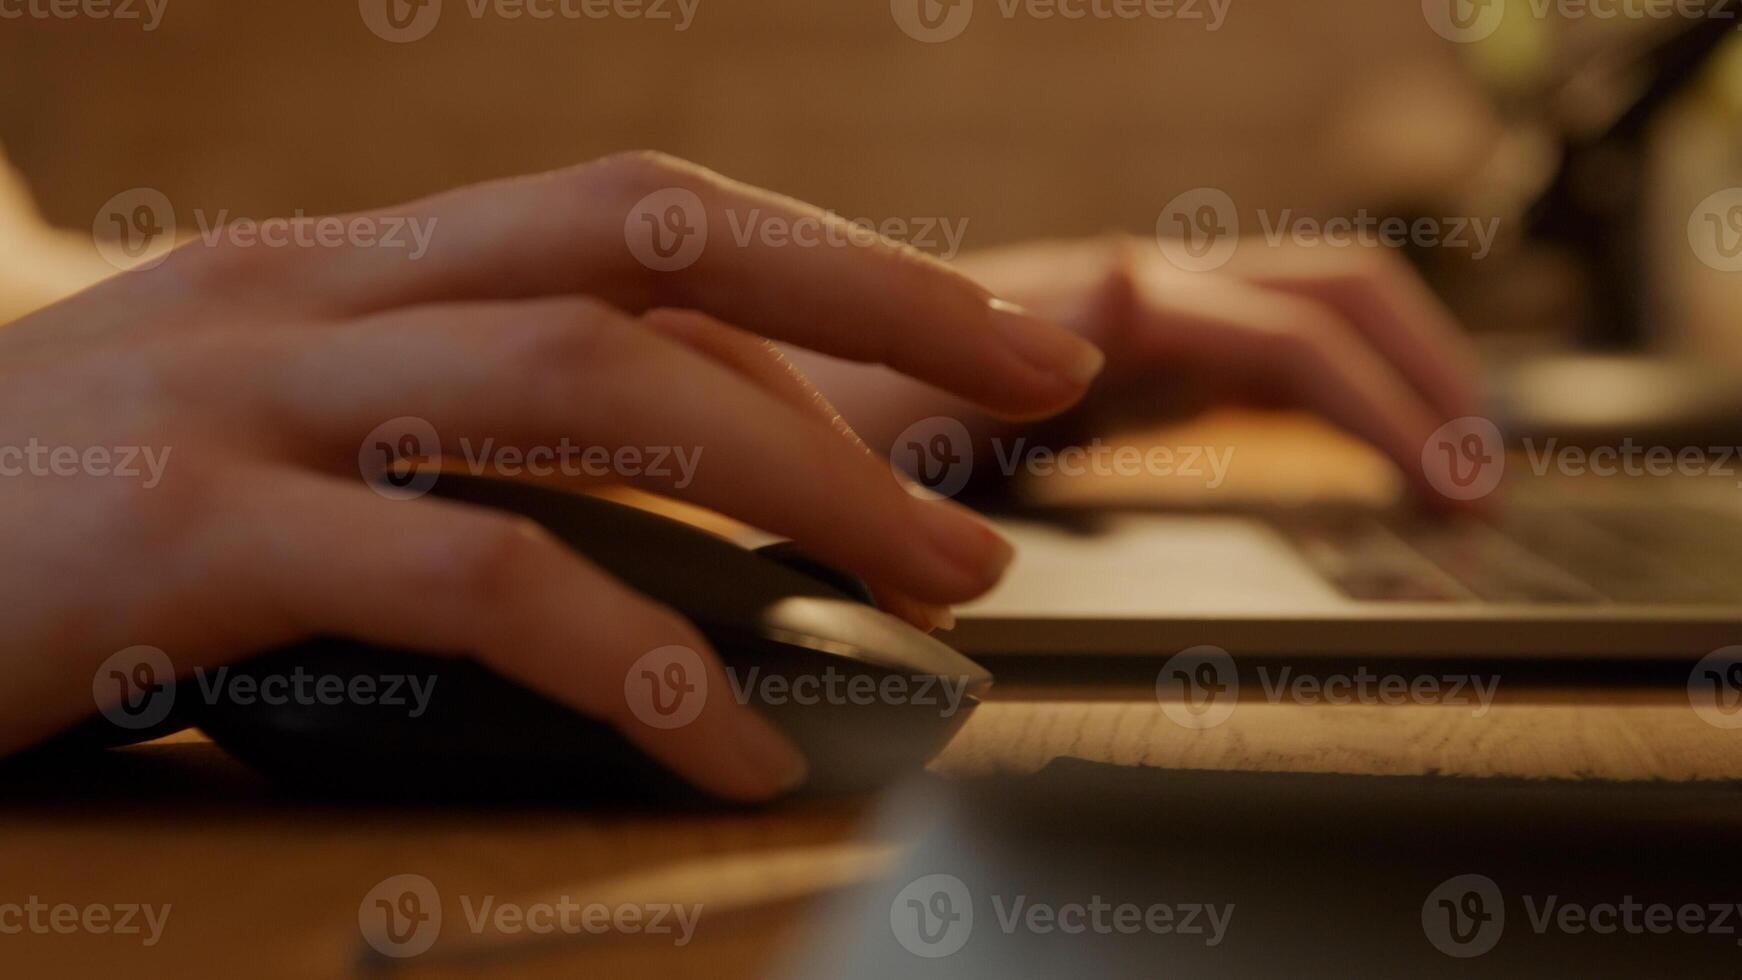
column 643, row 231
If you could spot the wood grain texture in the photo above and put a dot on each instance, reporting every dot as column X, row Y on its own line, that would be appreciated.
column 270, row 886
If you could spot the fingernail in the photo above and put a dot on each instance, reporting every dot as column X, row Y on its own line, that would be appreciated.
column 942, row 617
column 1048, row 347
column 962, row 539
column 768, row 753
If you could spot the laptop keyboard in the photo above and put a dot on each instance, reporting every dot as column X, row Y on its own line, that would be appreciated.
column 1530, row 551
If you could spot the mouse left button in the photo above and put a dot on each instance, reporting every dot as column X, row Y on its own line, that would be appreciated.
column 788, row 553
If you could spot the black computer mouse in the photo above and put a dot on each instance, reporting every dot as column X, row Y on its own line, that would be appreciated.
column 483, row 737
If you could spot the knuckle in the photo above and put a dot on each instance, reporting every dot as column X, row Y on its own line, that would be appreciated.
column 584, row 339
column 493, row 560
column 220, row 267
column 154, row 514
column 1371, row 268
column 1314, row 334
column 633, row 174
column 1126, row 257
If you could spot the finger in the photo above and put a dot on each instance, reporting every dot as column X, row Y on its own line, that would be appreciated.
column 762, row 363
column 866, row 299
column 759, row 360
column 315, row 556
column 569, row 371
column 1397, row 314
column 1293, row 350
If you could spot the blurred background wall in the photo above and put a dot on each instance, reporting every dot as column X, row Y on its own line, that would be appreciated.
column 1018, row 127
column 1021, row 126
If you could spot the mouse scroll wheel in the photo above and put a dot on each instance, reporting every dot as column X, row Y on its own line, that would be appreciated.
column 788, row 553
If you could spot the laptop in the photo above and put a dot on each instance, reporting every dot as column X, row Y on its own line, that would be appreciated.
column 1567, row 565
column 1561, row 567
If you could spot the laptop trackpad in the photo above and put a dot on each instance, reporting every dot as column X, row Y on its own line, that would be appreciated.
column 1139, row 565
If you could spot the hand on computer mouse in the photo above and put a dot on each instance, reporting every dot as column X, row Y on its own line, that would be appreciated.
column 1349, row 333
column 181, row 445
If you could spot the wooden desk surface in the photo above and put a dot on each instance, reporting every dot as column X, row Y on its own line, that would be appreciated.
column 271, row 887
column 265, row 886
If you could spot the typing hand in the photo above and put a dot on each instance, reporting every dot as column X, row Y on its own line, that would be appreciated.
column 1349, row 334
column 240, row 384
